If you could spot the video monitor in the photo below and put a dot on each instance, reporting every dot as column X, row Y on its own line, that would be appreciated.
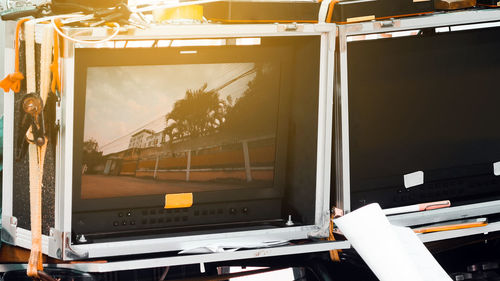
column 232, row 127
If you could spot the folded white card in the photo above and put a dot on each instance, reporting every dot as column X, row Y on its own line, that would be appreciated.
column 393, row 253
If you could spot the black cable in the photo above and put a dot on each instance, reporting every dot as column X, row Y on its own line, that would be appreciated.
column 45, row 277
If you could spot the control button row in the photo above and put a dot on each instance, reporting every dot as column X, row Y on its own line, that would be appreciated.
column 124, row 222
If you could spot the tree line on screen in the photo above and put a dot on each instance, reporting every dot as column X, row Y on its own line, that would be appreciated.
column 203, row 112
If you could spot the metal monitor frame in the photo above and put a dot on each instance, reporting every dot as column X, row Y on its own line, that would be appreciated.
column 59, row 245
column 467, row 19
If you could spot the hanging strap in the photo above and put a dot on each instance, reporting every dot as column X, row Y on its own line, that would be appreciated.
column 54, row 67
column 35, row 260
column 37, row 153
column 13, row 81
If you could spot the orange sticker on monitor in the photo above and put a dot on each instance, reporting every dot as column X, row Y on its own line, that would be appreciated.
column 178, row 200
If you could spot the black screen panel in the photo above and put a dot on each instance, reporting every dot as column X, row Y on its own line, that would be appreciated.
column 424, row 103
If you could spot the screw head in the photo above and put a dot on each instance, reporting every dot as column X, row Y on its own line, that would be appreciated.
column 82, row 239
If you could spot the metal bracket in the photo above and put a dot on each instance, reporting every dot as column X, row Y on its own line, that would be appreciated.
column 387, row 24
column 291, row 27
column 324, row 230
column 9, row 229
column 60, row 246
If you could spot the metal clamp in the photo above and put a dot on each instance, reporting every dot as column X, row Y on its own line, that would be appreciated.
column 60, row 246
column 290, row 27
column 9, row 229
column 387, row 24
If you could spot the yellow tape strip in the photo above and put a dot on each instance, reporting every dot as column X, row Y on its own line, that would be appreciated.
column 178, row 200
column 358, row 19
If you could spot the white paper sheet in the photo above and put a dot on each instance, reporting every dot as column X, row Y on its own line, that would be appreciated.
column 393, row 253
column 231, row 247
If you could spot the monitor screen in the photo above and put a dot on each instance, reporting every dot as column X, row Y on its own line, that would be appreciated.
column 424, row 103
column 159, row 129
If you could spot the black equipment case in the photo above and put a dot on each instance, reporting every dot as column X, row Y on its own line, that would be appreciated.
column 342, row 12
column 261, row 12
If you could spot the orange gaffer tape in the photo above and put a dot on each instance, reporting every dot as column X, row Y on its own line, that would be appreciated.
column 13, row 81
column 178, row 200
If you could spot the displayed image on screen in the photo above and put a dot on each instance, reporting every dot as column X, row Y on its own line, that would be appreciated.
column 179, row 128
